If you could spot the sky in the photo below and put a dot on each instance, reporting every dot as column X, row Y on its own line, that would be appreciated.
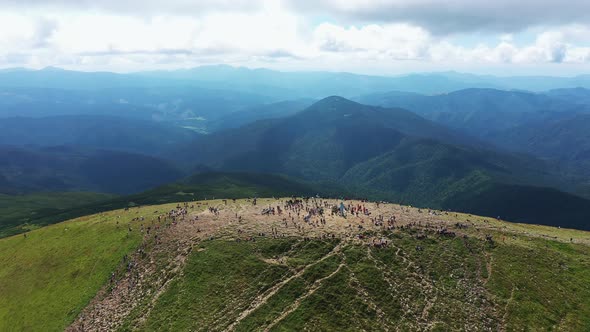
column 385, row 37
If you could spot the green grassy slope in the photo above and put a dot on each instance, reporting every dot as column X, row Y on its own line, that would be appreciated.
column 530, row 285
column 20, row 213
column 530, row 278
column 47, row 277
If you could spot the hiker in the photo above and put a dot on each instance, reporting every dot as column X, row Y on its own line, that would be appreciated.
column 342, row 210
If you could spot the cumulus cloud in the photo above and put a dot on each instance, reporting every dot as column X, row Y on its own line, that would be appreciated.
column 182, row 33
column 454, row 16
column 407, row 42
column 396, row 41
column 439, row 17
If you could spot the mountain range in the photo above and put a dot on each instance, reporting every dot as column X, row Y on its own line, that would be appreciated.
column 478, row 149
column 386, row 153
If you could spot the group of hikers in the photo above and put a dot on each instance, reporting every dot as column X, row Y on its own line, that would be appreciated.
column 311, row 212
column 302, row 214
column 151, row 229
column 308, row 216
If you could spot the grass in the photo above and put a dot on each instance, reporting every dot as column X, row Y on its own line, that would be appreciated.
column 225, row 276
column 545, row 286
column 525, row 282
column 47, row 278
column 446, row 284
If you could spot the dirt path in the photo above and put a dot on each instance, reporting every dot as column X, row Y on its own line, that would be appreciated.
column 158, row 262
column 316, row 285
column 489, row 266
column 505, row 315
column 147, row 273
column 263, row 298
column 356, row 284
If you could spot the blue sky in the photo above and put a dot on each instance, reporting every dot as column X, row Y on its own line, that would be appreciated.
column 388, row 37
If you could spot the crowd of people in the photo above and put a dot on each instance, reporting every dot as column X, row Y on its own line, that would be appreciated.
column 301, row 214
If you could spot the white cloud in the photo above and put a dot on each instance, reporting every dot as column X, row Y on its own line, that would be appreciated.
column 454, row 16
column 395, row 41
column 439, row 17
column 121, row 34
column 190, row 8
column 265, row 33
column 16, row 32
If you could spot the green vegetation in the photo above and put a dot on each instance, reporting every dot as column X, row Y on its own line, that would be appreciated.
column 21, row 213
column 543, row 285
column 566, row 140
column 518, row 282
column 47, row 277
column 433, row 175
column 450, row 284
column 422, row 173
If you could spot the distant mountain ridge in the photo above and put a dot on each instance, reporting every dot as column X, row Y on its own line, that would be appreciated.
column 435, row 139
column 284, row 85
column 566, row 140
column 388, row 154
column 551, row 125
column 480, row 111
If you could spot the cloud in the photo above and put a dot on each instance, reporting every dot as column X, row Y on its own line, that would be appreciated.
column 137, row 7
column 551, row 46
column 396, row 41
column 438, row 17
column 44, row 30
column 407, row 42
column 69, row 34
column 453, row 16
column 281, row 54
